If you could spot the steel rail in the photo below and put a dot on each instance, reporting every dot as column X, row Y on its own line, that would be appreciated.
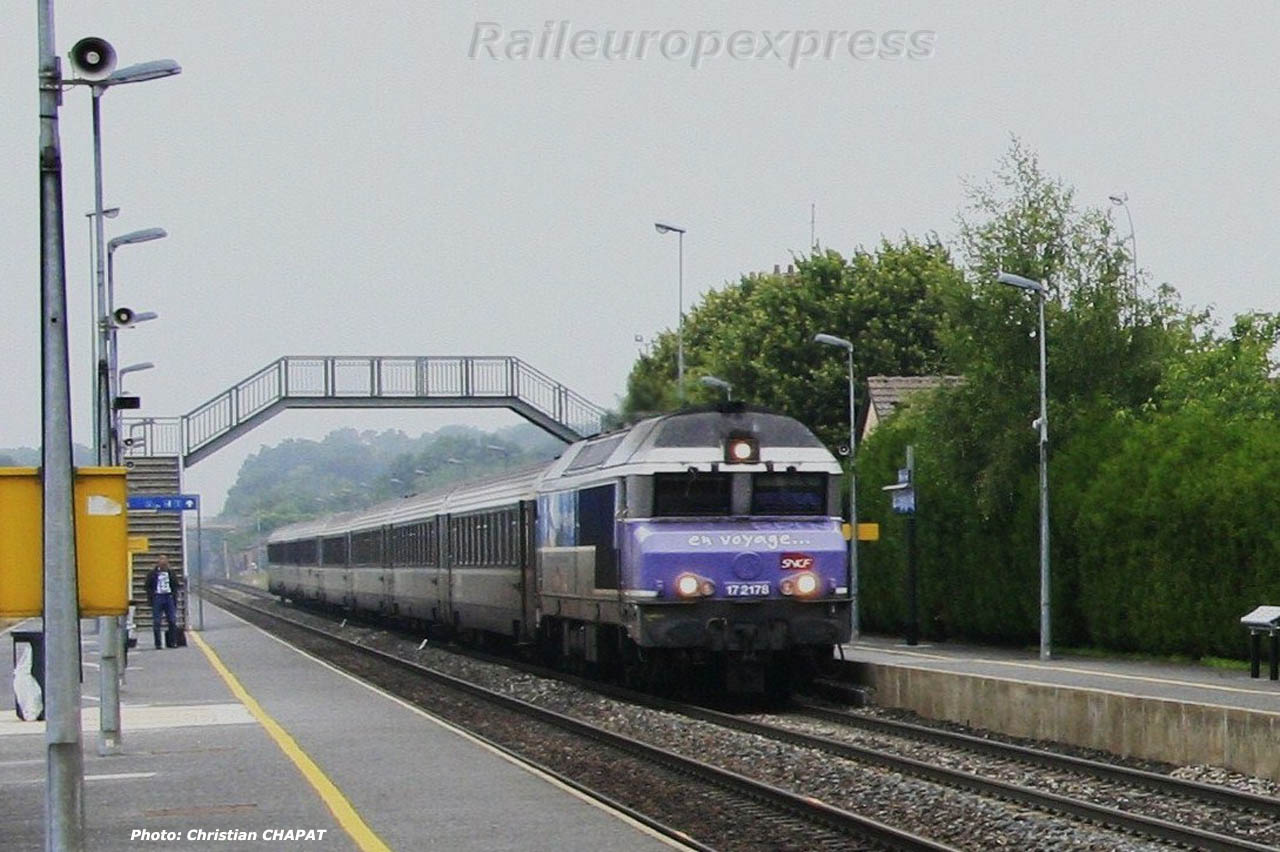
column 1051, row 760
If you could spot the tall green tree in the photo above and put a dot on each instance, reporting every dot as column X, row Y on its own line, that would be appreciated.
column 976, row 449
column 895, row 304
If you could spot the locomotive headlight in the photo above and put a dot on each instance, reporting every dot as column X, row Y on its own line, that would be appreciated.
column 804, row 585
column 688, row 585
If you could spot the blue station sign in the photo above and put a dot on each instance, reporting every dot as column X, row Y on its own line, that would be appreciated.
column 165, row 502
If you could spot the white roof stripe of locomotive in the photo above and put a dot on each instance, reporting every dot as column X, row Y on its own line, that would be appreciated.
column 634, row 455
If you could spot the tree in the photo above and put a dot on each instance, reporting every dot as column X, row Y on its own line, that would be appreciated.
column 894, row 304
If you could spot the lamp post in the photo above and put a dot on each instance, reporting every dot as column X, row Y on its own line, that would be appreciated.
column 109, row 451
column 1122, row 200
column 832, row 340
column 664, row 228
column 717, row 382
column 1041, row 290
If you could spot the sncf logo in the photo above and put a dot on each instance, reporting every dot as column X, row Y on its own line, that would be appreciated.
column 796, row 562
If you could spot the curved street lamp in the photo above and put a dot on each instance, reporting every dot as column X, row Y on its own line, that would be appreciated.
column 664, row 228
column 832, row 340
column 1041, row 290
column 717, row 382
column 1122, row 200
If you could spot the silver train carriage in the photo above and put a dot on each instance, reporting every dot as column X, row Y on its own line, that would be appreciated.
column 705, row 541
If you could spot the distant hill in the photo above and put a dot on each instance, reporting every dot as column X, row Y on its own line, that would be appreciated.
column 30, row 456
column 349, row 469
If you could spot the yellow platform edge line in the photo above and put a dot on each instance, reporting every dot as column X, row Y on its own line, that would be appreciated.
column 343, row 812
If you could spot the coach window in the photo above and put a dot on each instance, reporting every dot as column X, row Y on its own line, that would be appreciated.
column 335, row 551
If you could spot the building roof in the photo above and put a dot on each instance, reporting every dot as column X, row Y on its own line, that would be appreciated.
column 888, row 392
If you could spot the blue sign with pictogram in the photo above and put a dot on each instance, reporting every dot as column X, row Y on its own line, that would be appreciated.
column 165, row 503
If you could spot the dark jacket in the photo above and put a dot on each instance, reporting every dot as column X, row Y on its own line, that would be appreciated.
column 152, row 577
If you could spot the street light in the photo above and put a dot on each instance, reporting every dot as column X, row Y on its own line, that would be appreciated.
column 664, row 228
column 1122, row 200
column 832, row 340
column 716, row 382
column 1042, row 423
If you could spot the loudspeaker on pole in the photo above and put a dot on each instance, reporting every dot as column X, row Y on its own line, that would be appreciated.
column 93, row 58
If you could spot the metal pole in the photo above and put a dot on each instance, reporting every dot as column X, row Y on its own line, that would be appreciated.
column 913, row 609
column 853, row 504
column 199, row 571
column 64, row 781
column 109, row 741
column 113, row 362
column 680, row 327
column 1133, row 240
column 1045, row 643
column 103, row 388
column 93, row 326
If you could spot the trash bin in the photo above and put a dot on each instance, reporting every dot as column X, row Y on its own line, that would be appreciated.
column 28, row 675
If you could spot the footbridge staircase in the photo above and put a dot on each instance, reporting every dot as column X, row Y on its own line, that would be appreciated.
column 375, row 381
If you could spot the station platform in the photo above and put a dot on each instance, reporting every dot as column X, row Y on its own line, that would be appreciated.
column 1182, row 714
column 238, row 741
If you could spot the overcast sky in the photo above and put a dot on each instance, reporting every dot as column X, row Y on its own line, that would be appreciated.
column 348, row 178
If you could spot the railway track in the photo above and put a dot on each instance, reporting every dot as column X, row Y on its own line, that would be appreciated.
column 729, row 810
column 1139, row 786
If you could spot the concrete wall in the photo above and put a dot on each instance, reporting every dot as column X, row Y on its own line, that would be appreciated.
column 1246, row 741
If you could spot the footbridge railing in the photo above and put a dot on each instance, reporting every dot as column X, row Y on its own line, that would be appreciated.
column 381, row 381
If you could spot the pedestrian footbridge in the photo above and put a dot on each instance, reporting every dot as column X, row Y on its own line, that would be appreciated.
column 378, row 381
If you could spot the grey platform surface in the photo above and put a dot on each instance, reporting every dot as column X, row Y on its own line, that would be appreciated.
column 1192, row 683
column 194, row 757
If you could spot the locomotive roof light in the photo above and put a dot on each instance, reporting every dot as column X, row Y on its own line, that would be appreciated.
column 742, row 449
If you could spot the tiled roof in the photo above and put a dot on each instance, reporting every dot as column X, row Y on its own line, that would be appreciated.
column 888, row 392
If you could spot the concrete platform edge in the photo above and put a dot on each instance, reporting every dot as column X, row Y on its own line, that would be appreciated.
column 1129, row 725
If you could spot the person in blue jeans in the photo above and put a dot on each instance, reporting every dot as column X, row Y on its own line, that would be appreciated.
column 162, row 594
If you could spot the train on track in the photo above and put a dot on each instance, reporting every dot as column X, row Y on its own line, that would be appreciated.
column 702, row 544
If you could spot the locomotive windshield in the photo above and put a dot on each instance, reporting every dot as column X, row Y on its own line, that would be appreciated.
column 692, row 493
column 699, row 494
column 788, row 494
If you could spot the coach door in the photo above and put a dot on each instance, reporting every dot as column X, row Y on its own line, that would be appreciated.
column 528, row 571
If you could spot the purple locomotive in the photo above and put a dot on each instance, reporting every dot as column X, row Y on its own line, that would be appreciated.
column 704, row 544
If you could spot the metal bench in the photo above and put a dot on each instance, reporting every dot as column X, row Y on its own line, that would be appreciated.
column 1263, row 620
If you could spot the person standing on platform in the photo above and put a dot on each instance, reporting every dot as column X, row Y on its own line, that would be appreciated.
column 162, row 594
